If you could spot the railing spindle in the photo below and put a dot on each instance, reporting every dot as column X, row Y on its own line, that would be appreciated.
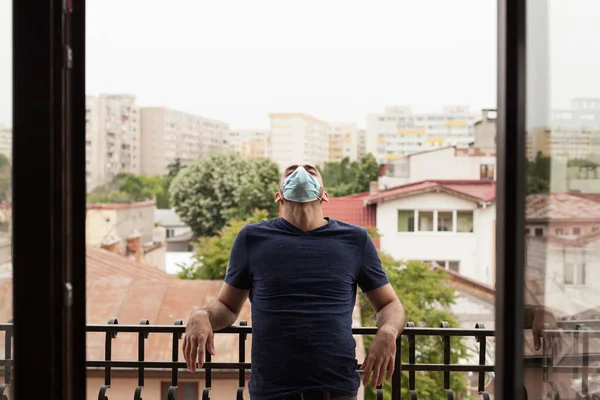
column 110, row 335
column 242, row 358
column 397, row 376
column 172, row 393
column 482, row 340
column 446, row 343
column 7, row 357
column 412, row 359
column 142, row 336
column 207, row 377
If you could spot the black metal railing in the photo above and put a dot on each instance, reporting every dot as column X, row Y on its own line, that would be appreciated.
column 144, row 329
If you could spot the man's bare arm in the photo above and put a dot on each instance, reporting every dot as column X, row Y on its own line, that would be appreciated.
column 224, row 311
column 391, row 317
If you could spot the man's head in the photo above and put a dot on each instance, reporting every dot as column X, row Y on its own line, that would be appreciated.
column 301, row 183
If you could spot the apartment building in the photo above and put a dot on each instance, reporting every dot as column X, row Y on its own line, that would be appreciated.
column 250, row 144
column 485, row 130
column 6, row 141
column 573, row 132
column 361, row 145
column 343, row 141
column 398, row 131
column 168, row 135
column 298, row 137
column 113, row 138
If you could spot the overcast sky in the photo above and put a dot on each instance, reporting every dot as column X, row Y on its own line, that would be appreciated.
column 238, row 60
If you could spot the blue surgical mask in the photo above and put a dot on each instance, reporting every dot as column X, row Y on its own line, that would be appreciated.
column 301, row 187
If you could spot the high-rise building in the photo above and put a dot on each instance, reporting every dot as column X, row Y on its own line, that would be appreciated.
column 343, row 141
column 298, row 137
column 250, row 144
column 485, row 130
column 6, row 141
column 573, row 133
column 361, row 146
column 113, row 136
column 398, row 132
column 169, row 135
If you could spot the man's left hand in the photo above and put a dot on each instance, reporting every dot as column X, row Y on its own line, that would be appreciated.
column 380, row 358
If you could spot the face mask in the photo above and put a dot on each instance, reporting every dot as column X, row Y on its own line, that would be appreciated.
column 301, row 187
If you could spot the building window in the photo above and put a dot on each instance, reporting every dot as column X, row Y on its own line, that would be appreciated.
column 170, row 233
column 464, row 221
column 539, row 232
column 406, row 221
column 574, row 274
column 527, row 232
column 435, row 221
column 486, row 171
column 595, row 229
column 450, row 265
column 426, row 221
column 445, row 221
column 559, row 232
column 576, row 231
column 185, row 390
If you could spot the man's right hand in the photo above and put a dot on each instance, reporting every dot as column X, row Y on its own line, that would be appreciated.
column 199, row 337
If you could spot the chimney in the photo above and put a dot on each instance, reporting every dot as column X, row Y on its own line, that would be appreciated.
column 112, row 244
column 134, row 245
column 373, row 188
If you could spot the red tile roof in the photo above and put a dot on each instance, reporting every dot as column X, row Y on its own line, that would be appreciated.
column 475, row 190
column 352, row 210
column 561, row 206
column 129, row 291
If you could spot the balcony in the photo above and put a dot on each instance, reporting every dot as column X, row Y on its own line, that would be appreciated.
column 405, row 374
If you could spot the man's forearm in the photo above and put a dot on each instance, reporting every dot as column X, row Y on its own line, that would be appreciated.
column 219, row 315
column 392, row 318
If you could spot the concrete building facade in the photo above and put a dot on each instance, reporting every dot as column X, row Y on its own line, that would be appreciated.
column 343, row 141
column 113, row 138
column 6, row 141
column 250, row 144
column 298, row 137
column 398, row 131
column 169, row 135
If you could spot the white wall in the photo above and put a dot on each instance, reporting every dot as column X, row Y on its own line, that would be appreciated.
column 442, row 165
column 473, row 250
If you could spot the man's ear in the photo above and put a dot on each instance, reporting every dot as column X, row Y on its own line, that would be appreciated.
column 278, row 197
column 325, row 197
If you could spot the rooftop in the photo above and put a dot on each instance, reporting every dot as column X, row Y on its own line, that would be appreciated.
column 129, row 291
column 474, row 190
column 168, row 218
column 561, row 206
column 121, row 206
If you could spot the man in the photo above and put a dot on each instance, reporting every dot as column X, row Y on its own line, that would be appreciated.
column 301, row 272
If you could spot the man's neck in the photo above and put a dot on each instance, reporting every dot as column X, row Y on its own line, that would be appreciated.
column 304, row 216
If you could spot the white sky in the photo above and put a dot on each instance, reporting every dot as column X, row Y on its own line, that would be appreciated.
column 238, row 60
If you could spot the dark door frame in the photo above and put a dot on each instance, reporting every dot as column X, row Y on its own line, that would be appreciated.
column 49, row 199
column 510, row 199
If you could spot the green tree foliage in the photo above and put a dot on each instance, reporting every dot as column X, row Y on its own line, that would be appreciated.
column 126, row 188
column 426, row 300
column 5, row 179
column 538, row 174
column 222, row 187
column 212, row 256
column 343, row 178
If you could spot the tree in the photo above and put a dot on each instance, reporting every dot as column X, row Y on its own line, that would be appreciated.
column 126, row 188
column 174, row 168
column 222, row 187
column 212, row 256
column 538, row 174
column 426, row 300
column 343, row 178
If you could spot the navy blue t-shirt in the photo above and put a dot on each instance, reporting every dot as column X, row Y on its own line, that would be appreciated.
column 302, row 290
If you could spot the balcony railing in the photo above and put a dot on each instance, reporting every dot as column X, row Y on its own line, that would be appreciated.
column 579, row 365
column 144, row 329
